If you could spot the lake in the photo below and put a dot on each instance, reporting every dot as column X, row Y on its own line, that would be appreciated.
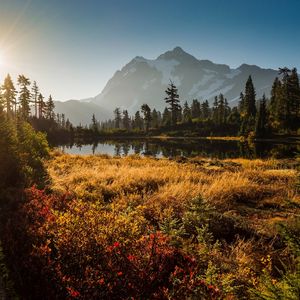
column 185, row 147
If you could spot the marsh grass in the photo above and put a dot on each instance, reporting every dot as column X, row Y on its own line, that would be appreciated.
column 230, row 229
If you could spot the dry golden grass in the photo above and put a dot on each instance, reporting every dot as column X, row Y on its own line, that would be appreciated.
column 244, row 200
column 163, row 186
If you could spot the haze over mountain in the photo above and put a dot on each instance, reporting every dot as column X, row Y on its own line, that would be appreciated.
column 144, row 81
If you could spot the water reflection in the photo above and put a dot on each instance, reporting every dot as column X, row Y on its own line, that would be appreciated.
column 191, row 148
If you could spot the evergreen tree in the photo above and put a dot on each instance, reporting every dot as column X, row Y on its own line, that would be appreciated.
column 261, row 126
column 221, row 110
column 205, row 110
column 50, row 109
column 35, row 96
column 126, row 120
column 195, row 109
column 248, row 112
column 293, row 121
column 274, row 106
column 154, row 118
column 9, row 96
column 24, row 97
column 94, row 126
column 187, row 115
column 241, row 105
column 173, row 100
column 118, row 117
column 249, row 99
column 41, row 106
column 215, row 115
column 138, row 122
column 147, row 116
column 166, row 117
column 63, row 121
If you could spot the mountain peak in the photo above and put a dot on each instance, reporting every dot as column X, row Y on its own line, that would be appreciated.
column 176, row 53
column 178, row 50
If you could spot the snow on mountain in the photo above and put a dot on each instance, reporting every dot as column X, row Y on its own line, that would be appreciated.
column 145, row 80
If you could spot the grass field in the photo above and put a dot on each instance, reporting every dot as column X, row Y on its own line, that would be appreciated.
column 146, row 228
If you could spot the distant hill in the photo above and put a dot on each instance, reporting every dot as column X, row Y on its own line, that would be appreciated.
column 81, row 112
column 144, row 81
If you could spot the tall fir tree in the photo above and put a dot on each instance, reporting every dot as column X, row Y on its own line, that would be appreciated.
column 126, row 120
column 24, row 97
column 94, row 124
column 195, row 109
column 261, row 126
column 138, row 122
column 205, row 110
column 187, row 115
column 41, row 106
column 293, row 121
column 166, row 117
column 248, row 112
column 173, row 100
column 35, row 96
column 50, row 114
column 147, row 116
column 118, row 118
column 9, row 96
column 155, row 118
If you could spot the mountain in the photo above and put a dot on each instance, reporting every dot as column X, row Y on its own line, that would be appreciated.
column 144, row 81
column 81, row 112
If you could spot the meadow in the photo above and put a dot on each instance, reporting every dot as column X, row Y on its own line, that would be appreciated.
column 145, row 228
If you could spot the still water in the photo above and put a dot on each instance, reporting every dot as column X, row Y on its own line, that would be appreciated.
column 187, row 148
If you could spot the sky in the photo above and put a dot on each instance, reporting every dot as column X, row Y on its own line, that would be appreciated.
column 73, row 47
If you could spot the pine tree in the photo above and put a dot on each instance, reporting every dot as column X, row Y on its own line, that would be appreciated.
column 293, row 121
column 147, row 116
column 94, row 126
column 126, row 120
column 273, row 107
column 154, row 119
column 187, row 115
column 166, row 117
column 138, row 122
column 221, row 110
column 205, row 110
column 215, row 115
column 195, row 109
column 241, row 105
column 173, row 100
column 24, row 97
column 9, row 96
column 261, row 126
column 249, row 100
column 118, row 117
column 41, row 106
column 248, row 111
column 35, row 96
column 50, row 109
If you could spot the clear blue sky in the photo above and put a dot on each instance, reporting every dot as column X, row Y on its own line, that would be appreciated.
column 72, row 47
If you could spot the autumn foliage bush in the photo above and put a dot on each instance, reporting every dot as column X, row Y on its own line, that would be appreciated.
column 67, row 248
column 141, row 228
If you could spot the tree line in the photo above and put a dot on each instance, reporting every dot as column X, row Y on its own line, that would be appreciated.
column 277, row 115
column 28, row 104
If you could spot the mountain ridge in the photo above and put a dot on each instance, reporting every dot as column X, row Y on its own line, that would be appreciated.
column 144, row 80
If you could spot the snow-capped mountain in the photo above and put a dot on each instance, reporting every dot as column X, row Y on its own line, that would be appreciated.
column 144, row 81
